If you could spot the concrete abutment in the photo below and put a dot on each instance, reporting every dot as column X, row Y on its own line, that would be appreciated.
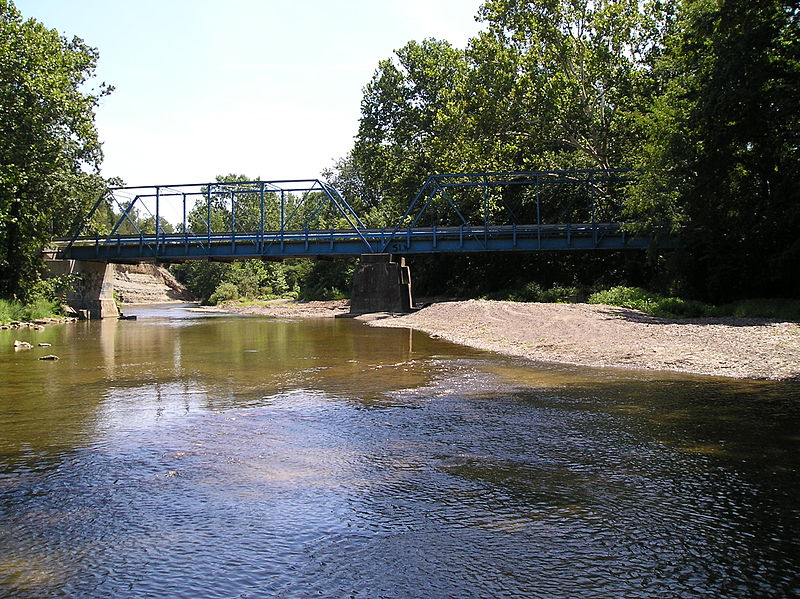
column 381, row 284
column 93, row 291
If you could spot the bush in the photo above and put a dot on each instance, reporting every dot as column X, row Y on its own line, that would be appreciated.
column 558, row 294
column 652, row 303
column 534, row 292
column 224, row 292
column 11, row 310
column 327, row 280
column 777, row 308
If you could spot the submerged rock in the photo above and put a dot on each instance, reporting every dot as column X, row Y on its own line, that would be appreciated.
column 19, row 345
column 49, row 357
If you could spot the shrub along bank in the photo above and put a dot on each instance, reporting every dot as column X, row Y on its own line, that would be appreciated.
column 656, row 304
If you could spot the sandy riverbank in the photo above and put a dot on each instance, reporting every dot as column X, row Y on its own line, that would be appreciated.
column 591, row 335
column 596, row 335
column 284, row 309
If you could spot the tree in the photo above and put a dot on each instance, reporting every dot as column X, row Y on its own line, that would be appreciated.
column 409, row 126
column 555, row 84
column 49, row 149
column 562, row 83
column 722, row 160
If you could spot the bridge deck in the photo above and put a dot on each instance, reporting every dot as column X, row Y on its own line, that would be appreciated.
column 285, row 244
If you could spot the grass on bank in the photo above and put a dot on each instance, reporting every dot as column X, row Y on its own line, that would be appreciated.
column 653, row 303
column 11, row 310
column 656, row 304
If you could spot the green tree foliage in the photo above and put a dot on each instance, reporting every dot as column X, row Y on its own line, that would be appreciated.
column 722, row 161
column 551, row 84
column 700, row 95
column 561, row 83
column 49, row 151
column 214, row 282
column 410, row 116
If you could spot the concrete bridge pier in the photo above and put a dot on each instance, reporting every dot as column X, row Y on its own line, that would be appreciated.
column 93, row 291
column 381, row 284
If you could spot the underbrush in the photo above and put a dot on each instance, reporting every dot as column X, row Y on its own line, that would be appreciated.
column 11, row 310
column 534, row 292
column 652, row 303
column 656, row 304
column 776, row 308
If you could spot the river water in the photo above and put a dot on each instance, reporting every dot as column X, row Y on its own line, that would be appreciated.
column 188, row 455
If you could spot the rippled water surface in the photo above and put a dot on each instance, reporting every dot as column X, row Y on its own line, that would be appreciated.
column 186, row 455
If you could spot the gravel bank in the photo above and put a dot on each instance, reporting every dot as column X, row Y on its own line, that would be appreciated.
column 596, row 335
column 282, row 308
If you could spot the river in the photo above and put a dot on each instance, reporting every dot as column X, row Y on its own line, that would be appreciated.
column 184, row 455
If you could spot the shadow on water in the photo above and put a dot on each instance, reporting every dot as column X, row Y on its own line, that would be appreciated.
column 185, row 456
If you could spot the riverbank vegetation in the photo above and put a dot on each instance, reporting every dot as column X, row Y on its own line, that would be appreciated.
column 11, row 310
column 215, row 282
column 698, row 97
column 657, row 304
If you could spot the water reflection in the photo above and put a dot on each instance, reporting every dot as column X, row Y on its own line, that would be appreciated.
column 187, row 456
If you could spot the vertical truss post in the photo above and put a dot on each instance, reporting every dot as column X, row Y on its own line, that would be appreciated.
column 233, row 223
column 538, row 213
column 590, row 190
column 208, row 217
column 158, row 218
column 261, row 230
column 485, row 212
column 283, row 216
column 185, row 234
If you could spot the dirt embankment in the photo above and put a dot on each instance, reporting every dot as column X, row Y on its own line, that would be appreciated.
column 596, row 335
column 147, row 284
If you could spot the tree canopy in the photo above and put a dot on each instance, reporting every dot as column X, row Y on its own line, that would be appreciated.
column 701, row 96
column 49, row 149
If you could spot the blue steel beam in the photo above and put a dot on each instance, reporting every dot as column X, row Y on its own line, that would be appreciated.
column 602, row 236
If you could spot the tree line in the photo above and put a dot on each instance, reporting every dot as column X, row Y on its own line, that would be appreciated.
column 699, row 97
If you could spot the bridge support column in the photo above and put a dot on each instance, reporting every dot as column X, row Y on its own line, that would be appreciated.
column 94, row 290
column 381, row 285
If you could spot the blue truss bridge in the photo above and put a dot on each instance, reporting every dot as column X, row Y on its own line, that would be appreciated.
column 451, row 213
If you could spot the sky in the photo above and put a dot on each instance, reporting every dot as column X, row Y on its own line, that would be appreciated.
column 266, row 88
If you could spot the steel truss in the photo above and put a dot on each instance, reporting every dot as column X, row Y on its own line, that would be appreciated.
column 516, row 211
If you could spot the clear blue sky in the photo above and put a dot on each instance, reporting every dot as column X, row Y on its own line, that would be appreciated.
column 267, row 88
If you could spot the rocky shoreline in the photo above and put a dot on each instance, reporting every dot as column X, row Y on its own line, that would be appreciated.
column 37, row 324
